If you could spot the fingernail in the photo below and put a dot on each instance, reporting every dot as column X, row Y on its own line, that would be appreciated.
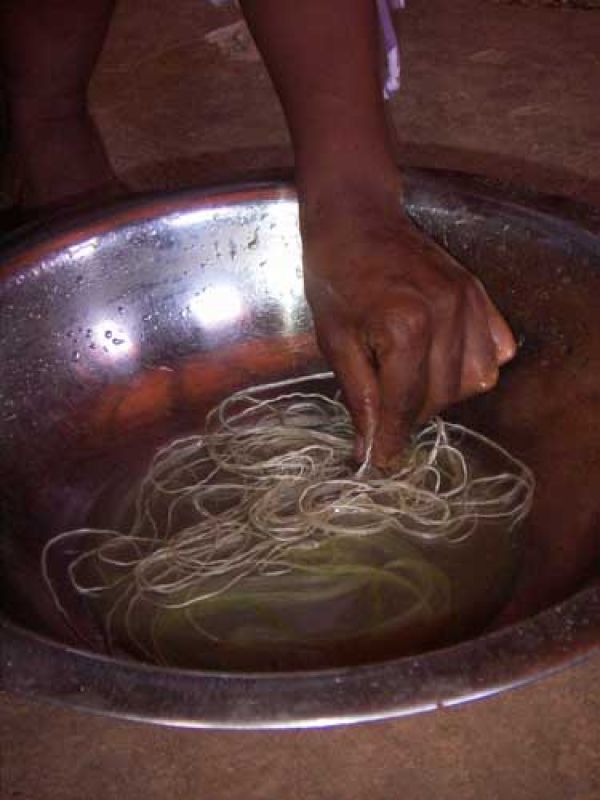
column 506, row 352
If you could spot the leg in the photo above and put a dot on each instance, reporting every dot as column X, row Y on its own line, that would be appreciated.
column 48, row 50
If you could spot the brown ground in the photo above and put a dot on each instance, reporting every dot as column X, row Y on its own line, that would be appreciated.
column 489, row 87
column 511, row 92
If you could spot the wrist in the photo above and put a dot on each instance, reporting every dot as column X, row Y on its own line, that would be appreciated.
column 344, row 193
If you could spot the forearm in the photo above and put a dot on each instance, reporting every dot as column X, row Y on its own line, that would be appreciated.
column 323, row 57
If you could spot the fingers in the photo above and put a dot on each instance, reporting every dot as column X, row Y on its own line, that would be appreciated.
column 480, row 362
column 410, row 362
column 405, row 347
column 400, row 341
column 504, row 341
column 350, row 361
column 446, row 353
column 471, row 341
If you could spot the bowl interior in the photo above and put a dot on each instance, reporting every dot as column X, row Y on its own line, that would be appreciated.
column 120, row 332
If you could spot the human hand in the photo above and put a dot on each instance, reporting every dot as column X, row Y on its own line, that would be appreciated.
column 407, row 330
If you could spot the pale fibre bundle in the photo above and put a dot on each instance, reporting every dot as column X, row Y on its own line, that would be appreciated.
column 271, row 481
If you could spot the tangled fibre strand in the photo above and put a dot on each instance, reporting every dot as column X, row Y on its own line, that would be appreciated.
column 269, row 490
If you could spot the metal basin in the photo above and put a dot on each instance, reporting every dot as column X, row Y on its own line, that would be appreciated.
column 136, row 319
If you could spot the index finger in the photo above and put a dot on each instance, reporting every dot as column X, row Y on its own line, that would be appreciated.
column 350, row 361
column 402, row 349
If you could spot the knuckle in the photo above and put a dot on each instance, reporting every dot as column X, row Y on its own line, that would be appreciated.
column 449, row 295
column 332, row 326
column 331, row 340
column 508, row 349
column 487, row 379
column 407, row 324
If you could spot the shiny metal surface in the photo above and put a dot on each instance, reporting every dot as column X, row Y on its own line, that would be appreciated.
column 139, row 317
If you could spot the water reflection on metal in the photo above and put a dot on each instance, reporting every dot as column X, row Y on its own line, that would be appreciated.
column 188, row 218
column 217, row 305
column 112, row 338
column 85, row 249
column 280, row 271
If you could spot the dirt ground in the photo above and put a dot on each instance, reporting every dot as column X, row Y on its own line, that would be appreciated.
column 505, row 89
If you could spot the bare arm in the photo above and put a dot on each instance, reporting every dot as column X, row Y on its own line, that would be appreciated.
column 406, row 329
column 324, row 60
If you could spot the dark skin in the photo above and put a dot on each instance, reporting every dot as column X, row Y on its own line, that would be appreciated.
column 407, row 330
column 48, row 51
